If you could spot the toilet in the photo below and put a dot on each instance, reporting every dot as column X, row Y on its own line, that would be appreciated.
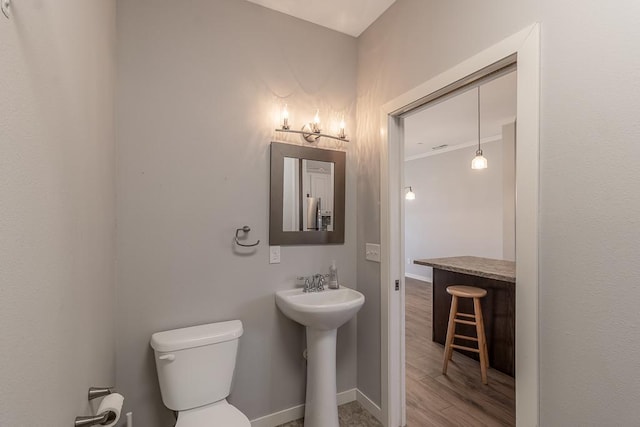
column 195, row 370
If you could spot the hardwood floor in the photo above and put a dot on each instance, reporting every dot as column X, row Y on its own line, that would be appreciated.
column 459, row 398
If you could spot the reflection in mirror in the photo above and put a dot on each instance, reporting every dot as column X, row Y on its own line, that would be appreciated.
column 308, row 196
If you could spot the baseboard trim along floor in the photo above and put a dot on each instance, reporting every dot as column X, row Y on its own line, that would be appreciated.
column 297, row 412
column 419, row 277
column 368, row 404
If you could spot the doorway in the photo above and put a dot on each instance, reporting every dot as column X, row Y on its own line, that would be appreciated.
column 460, row 218
column 522, row 49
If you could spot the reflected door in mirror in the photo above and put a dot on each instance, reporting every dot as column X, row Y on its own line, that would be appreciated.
column 308, row 195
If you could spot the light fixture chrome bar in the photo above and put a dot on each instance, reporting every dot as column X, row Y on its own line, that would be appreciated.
column 313, row 134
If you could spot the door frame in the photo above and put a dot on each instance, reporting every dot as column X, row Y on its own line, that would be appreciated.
column 524, row 46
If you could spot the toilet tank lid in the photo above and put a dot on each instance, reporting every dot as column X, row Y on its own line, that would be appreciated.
column 196, row 336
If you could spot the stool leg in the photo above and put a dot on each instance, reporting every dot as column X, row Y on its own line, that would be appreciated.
column 482, row 342
column 451, row 329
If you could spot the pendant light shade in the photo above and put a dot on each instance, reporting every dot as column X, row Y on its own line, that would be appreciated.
column 410, row 195
column 479, row 161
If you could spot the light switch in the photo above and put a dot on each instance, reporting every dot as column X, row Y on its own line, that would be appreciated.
column 274, row 254
column 372, row 252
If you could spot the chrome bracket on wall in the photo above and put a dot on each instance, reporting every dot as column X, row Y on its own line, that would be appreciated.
column 5, row 5
column 245, row 229
column 97, row 420
column 96, row 392
column 104, row 418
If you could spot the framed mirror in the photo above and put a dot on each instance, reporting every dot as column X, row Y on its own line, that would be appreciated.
column 307, row 195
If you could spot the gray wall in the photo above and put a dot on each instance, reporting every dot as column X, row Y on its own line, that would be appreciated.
column 589, row 233
column 197, row 86
column 457, row 210
column 57, row 209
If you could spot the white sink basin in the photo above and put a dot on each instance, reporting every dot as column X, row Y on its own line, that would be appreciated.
column 322, row 313
column 324, row 310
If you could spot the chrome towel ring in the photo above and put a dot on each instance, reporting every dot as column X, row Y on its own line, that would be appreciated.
column 5, row 7
column 245, row 229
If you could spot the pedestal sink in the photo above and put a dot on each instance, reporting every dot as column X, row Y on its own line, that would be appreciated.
column 322, row 313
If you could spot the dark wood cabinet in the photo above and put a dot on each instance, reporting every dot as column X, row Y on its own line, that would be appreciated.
column 498, row 310
column 498, row 306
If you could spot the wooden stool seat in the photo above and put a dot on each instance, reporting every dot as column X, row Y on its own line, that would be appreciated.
column 466, row 291
column 475, row 319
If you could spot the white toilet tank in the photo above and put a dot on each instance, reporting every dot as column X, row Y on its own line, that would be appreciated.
column 195, row 365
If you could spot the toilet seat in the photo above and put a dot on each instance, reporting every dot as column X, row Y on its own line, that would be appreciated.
column 219, row 414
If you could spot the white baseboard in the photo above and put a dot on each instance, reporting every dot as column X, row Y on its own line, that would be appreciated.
column 418, row 277
column 368, row 404
column 347, row 396
column 297, row 412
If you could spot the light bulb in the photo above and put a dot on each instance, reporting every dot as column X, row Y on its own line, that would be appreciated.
column 341, row 133
column 410, row 194
column 315, row 126
column 285, row 118
column 479, row 161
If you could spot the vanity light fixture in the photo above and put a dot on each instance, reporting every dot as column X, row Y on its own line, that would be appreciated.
column 410, row 195
column 479, row 161
column 311, row 132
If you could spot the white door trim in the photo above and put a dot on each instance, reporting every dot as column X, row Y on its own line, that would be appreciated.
column 526, row 46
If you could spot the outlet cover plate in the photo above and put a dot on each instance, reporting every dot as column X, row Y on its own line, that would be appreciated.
column 274, row 254
column 372, row 252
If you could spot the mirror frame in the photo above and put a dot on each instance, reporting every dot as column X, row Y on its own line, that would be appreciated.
column 277, row 236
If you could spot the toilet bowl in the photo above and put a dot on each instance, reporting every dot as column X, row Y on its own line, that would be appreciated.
column 195, row 368
column 215, row 415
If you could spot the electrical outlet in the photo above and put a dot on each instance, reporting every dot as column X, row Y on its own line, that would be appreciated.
column 372, row 252
column 409, row 261
column 274, row 254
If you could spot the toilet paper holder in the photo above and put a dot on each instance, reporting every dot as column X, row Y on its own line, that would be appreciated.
column 100, row 419
column 96, row 392
column 96, row 420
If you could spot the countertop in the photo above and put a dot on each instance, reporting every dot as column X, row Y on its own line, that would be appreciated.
column 496, row 269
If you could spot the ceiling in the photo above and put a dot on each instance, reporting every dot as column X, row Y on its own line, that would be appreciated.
column 346, row 16
column 454, row 122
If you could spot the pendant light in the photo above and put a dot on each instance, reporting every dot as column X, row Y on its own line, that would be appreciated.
column 410, row 195
column 479, row 161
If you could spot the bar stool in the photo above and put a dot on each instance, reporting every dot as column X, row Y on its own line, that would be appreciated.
column 459, row 291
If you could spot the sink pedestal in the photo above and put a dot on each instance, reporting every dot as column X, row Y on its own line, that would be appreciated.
column 322, row 313
column 321, row 408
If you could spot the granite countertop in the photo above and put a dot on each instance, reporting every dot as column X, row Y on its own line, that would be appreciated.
column 482, row 267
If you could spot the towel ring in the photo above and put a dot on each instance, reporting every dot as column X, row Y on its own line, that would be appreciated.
column 5, row 7
column 245, row 230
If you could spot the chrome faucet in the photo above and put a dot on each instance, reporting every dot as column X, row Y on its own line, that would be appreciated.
column 314, row 283
column 319, row 282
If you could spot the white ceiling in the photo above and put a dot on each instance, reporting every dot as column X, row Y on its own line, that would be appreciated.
column 347, row 16
column 455, row 121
